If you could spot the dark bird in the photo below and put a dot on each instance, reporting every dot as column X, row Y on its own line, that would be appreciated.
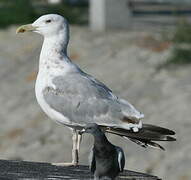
column 106, row 160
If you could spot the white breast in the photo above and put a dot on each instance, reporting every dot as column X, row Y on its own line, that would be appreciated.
column 44, row 79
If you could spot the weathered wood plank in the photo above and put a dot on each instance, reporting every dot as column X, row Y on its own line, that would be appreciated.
column 34, row 170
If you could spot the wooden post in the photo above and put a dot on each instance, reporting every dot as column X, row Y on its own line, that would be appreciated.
column 108, row 14
column 35, row 170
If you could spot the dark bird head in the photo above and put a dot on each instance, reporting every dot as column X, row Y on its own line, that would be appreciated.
column 91, row 128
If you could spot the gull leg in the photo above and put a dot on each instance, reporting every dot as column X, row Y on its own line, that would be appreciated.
column 79, row 142
column 74, row 149
column 79, row 139
column 75, row 157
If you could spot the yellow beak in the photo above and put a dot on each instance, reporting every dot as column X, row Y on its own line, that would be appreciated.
column 25, row 28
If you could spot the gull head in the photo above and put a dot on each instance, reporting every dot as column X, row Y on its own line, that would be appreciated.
column 46, row 25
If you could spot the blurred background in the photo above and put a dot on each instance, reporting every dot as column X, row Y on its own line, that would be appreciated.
column 140, row 48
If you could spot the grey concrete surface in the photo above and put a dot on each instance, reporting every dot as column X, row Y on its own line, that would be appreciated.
column 11, row 170
column 126, row 65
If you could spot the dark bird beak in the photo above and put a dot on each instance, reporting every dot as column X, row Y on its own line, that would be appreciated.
column 82, row 131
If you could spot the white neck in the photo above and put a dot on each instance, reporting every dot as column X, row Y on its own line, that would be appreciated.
column 54, row 48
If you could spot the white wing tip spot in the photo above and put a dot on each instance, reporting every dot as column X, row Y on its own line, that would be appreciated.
column 135, row 129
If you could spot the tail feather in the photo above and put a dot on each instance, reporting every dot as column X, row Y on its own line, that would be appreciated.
column 146, row 144
column 144, row 136
column 158, row 129
column 155, row 145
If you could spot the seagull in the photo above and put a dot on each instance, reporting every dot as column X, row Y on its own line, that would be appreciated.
column 106, row 159
column 74, row 98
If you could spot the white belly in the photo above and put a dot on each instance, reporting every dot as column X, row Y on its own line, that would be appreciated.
column 41, row 83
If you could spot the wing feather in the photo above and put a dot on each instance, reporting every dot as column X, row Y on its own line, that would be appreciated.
column 120, row 158
column 92, row 162
column 83, row 99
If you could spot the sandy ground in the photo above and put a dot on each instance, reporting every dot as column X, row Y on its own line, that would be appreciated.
column 124, row 60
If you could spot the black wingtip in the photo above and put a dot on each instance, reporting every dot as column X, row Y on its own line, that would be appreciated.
column 159, row 129
column 169, row 138
column 155, row 145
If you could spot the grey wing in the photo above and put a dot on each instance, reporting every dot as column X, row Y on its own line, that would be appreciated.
column 85, row 100
column 92, row 162
column 120, row 158
column 100, row 84
column 128, row 110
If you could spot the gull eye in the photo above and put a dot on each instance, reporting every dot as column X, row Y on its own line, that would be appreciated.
column 48, row 21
